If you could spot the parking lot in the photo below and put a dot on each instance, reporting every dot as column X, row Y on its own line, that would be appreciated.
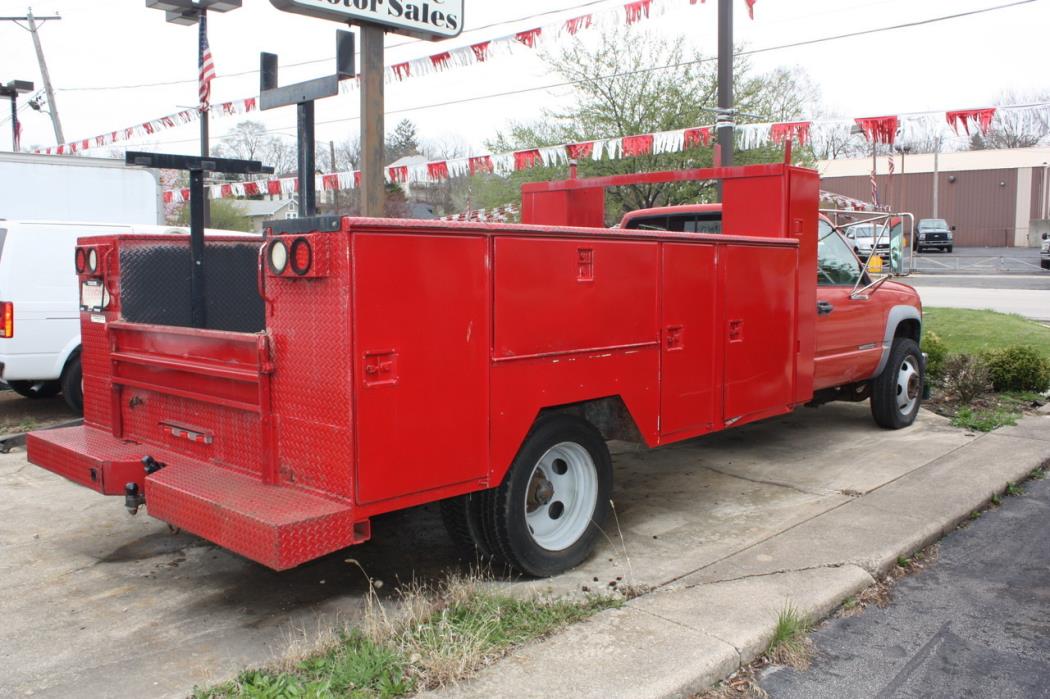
column 133, row 609
column 979, row 261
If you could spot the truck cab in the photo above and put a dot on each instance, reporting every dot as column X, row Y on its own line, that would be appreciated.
column 855, row 329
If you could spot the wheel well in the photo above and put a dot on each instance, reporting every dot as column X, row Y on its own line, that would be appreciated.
column 609, row 416
column 909, row 328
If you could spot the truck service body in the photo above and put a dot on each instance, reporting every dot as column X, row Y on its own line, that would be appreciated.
column 353, row 367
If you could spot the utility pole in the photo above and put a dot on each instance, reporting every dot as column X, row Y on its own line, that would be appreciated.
column 373, row 134
column 31, row 27
column 936, row 181
column 726, row 113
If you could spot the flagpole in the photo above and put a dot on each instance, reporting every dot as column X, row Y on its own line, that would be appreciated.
column 205, row 145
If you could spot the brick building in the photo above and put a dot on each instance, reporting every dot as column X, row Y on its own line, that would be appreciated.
column 994, row 198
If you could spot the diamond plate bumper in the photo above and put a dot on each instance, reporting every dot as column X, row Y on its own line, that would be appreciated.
column 279, row 526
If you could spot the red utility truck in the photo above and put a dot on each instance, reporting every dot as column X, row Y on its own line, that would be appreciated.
column 351, row 367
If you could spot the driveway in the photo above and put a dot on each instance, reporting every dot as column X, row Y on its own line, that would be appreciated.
column 979, row 261
column 100, row 604
column 976, row 623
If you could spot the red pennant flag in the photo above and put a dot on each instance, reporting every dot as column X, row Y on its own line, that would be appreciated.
column 579, row 151
column 402, row 71
column 786, row 131
column 879, row 129
column 529, row 37
column 438, row 170
column 481, row 51
column 697, row 137
column 636, row 10
column 637, row 145
column 480, row 163
column 398, row 174
column 981, row 117
column 440, row 60
column 525, row 159
column 575, row 24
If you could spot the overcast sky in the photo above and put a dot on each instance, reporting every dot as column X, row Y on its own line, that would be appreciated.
column 109, row 43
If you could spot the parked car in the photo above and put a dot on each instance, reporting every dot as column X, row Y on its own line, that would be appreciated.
column 933, row 234
column 39, row 304
column 1044, row 252
column 868, row 239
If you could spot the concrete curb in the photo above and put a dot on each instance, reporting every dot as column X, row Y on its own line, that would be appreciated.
column 684, row 637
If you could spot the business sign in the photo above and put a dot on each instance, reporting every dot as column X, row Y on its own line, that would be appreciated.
column 428, row 19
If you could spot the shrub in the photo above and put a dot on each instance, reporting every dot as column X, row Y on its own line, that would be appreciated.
column 1018, row 368
column 936, row 352
column 966, row 376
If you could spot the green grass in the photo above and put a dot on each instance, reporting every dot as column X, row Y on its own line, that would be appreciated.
column 790, row 643
column 456, row 635
column 984, row 420
column 971, row 332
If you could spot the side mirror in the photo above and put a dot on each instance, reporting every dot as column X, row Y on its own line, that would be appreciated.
column 1046, row 236
column 953, row 228
column 850, row 235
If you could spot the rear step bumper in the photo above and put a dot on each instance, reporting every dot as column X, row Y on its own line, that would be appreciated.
column 275, row 525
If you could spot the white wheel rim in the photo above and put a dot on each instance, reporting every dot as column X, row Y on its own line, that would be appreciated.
column 908, row 385
column 561, row 496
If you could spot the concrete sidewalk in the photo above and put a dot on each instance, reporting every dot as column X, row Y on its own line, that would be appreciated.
column 700, row 627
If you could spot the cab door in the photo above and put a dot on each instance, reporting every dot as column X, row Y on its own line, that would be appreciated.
column 849, row 328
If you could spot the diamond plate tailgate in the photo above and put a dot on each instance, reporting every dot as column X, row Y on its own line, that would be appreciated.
column 278, row 526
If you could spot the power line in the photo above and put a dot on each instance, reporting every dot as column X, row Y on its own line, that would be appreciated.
column 645, row 71
column 326, row 59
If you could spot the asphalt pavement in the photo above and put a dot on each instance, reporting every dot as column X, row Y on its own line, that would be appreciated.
column 974, row 624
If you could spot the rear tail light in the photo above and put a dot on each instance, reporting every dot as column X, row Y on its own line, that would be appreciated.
column 7, row 319
column 92, row 260
column 278, row 257
column 81, row 260
column 302, row 256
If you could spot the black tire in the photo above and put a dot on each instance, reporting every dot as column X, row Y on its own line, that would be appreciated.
column 505, row 508
column 35, row 389
column 896, row 393
column 949, row 249
column 73, row 384
column 462, row 517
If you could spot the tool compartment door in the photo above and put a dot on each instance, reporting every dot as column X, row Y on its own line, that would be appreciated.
column 689, row 390
column 421, row 318
column 760, row 292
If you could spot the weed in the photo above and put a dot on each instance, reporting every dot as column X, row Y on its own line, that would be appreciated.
column 1038, row 474
column 903, row 561
column 790, row 644
column 996, row 500
column 984, row 420
column 976, row 514
column 1013, row 490
column 441, row 634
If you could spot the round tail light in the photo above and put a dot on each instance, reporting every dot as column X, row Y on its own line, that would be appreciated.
column 92, row 260
column 278, row 257
column 302, row 256
column 80, row 258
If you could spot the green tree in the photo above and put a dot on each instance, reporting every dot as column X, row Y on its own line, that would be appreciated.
column 633, row 82
column 225, row 216
column 403, row 141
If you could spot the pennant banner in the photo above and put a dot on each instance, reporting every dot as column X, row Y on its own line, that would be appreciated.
column 749, row 137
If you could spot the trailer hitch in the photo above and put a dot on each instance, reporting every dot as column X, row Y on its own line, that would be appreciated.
column 134, row 498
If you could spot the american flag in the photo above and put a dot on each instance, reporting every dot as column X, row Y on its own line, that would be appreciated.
column 207, row 67
column 874, row 189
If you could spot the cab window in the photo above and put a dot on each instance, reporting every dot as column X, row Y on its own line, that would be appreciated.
column 836, row 263
column 706, row 222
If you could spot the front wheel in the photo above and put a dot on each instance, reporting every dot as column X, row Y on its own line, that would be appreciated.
column 548, row 513
column 896, row 393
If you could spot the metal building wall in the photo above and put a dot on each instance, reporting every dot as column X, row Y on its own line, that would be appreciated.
column 981, row 204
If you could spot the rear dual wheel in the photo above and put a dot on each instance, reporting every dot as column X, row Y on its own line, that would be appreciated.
column 548, row 513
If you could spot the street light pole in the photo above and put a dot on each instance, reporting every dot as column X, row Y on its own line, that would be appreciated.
column 189, row 13
column 12, row 90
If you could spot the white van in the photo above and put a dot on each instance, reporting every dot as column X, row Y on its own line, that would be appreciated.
column 39, row 304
